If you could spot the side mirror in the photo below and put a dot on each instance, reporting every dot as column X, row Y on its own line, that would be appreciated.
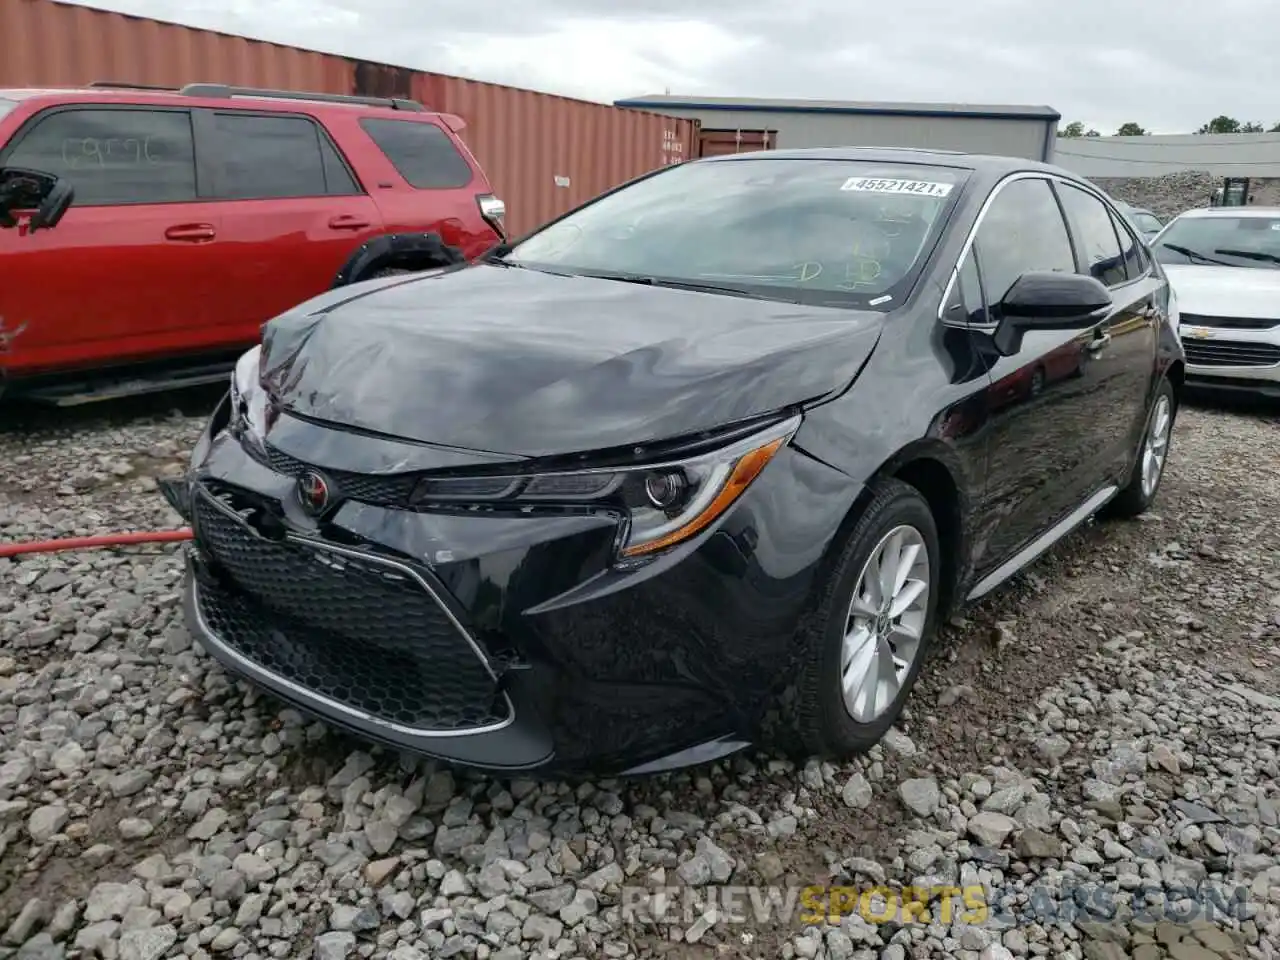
column 1048, row 301
column 1053, row 300
column 45, row 195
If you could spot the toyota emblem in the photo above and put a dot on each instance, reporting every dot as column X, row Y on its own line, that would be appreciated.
column 314, row 493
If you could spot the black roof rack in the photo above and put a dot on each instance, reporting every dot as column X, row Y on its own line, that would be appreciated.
column 113, row 85
column 225, row 90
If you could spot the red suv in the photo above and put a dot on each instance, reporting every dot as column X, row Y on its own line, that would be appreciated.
column 200, row 213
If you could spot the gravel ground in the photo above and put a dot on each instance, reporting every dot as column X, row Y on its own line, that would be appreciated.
column 1092, row 757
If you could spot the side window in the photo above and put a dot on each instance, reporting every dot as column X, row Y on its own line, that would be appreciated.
column 1022, row 231
column 973, row 306
column 264, row 158
column 422, row 153
column 1096, row 235
column 1148, row 223
column 965, row 303
column 1135, row 264
column 114, row 156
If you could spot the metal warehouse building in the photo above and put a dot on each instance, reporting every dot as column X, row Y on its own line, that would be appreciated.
column 1221, row 154
column 733, row 126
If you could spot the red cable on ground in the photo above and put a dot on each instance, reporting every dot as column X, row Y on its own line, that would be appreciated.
column 89, row 543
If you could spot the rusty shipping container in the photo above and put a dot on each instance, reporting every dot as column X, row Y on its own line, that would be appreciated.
column 544, row 153
column 547, row 154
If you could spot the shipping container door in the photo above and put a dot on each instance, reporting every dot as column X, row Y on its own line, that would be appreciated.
column 716, row 143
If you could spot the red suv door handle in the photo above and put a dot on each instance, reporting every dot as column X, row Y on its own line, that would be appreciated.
column 347, row 223
column 191, row 232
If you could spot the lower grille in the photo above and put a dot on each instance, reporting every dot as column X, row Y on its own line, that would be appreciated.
column 1230, row 353
column 354, row 629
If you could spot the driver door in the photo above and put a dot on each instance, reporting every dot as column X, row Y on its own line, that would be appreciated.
column 1039, row 425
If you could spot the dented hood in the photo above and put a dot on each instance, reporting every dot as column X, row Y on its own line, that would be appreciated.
column 522, row 362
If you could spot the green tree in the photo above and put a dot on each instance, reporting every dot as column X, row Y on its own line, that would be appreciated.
column 1131, row 129
column 1252, row 128
column 1274, row 129
column 1222, row 124
column 1092, row 133
column 1073, row 129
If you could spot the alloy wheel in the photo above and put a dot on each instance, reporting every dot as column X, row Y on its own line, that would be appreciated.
column 885, row 624
column 1156, row 446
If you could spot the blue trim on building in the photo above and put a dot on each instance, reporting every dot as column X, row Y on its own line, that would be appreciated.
column 658, row 106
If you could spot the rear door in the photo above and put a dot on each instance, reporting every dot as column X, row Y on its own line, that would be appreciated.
column 292, row 212
column 1039, row 419
column 1120, row 359
column 126, row 273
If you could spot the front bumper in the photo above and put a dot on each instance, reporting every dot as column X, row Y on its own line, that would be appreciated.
column 1233, row 359
column 507, row 642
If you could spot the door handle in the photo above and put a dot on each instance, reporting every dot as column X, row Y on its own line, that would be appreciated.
column 1098, row 342
column 347, row 223
column 191, row 232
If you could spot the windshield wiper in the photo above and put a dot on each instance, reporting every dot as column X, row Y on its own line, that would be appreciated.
column 1194, row 254
column 693, row 285
column 1250, row 255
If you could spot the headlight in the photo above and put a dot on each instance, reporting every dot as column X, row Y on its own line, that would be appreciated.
column 663, row 503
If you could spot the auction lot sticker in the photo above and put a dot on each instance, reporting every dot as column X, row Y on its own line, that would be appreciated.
column 921, row 188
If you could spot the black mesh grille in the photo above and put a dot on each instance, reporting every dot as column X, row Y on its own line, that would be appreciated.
column 366, row 488
column 1230, row 353
column 351, row 629
column 1236, row 323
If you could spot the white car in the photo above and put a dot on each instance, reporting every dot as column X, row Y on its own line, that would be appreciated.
column 1224, row 265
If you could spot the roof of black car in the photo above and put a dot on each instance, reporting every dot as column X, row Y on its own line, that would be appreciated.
column 938, row 158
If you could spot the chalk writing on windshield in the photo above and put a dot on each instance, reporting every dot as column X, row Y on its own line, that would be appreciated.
column 81, row 152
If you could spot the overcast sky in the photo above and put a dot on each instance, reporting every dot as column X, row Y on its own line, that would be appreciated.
column 1169, row 66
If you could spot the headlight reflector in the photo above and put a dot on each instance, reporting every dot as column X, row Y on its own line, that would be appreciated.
column 664, row 504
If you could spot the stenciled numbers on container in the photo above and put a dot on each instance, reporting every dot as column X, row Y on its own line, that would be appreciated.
column 81, row 152
column 672, row 148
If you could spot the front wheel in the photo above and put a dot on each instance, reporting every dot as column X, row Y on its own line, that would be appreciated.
column 1137, row 497
column 874, row 622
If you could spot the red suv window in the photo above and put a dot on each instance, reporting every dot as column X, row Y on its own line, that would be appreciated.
column 422, row 152
column 274, row 157
column 114, row 156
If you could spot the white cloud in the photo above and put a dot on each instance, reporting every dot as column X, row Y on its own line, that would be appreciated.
column 1169, row 67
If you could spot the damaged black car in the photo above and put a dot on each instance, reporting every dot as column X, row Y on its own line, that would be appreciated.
column 699, row 465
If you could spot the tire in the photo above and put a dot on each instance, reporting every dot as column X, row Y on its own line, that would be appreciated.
column 1136, row 498
column 824, row 725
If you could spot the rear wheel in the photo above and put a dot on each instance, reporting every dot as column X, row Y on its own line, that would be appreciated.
column 1148, row 471
column 873, row 625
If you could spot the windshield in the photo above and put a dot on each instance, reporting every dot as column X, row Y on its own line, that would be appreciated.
column 1245, row 241
column 839, row 232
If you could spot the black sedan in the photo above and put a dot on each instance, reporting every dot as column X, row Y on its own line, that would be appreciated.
column 717, row 449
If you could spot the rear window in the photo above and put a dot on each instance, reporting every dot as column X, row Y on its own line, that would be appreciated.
column 278, row 156
column 1147, row 222
column 422, row 153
